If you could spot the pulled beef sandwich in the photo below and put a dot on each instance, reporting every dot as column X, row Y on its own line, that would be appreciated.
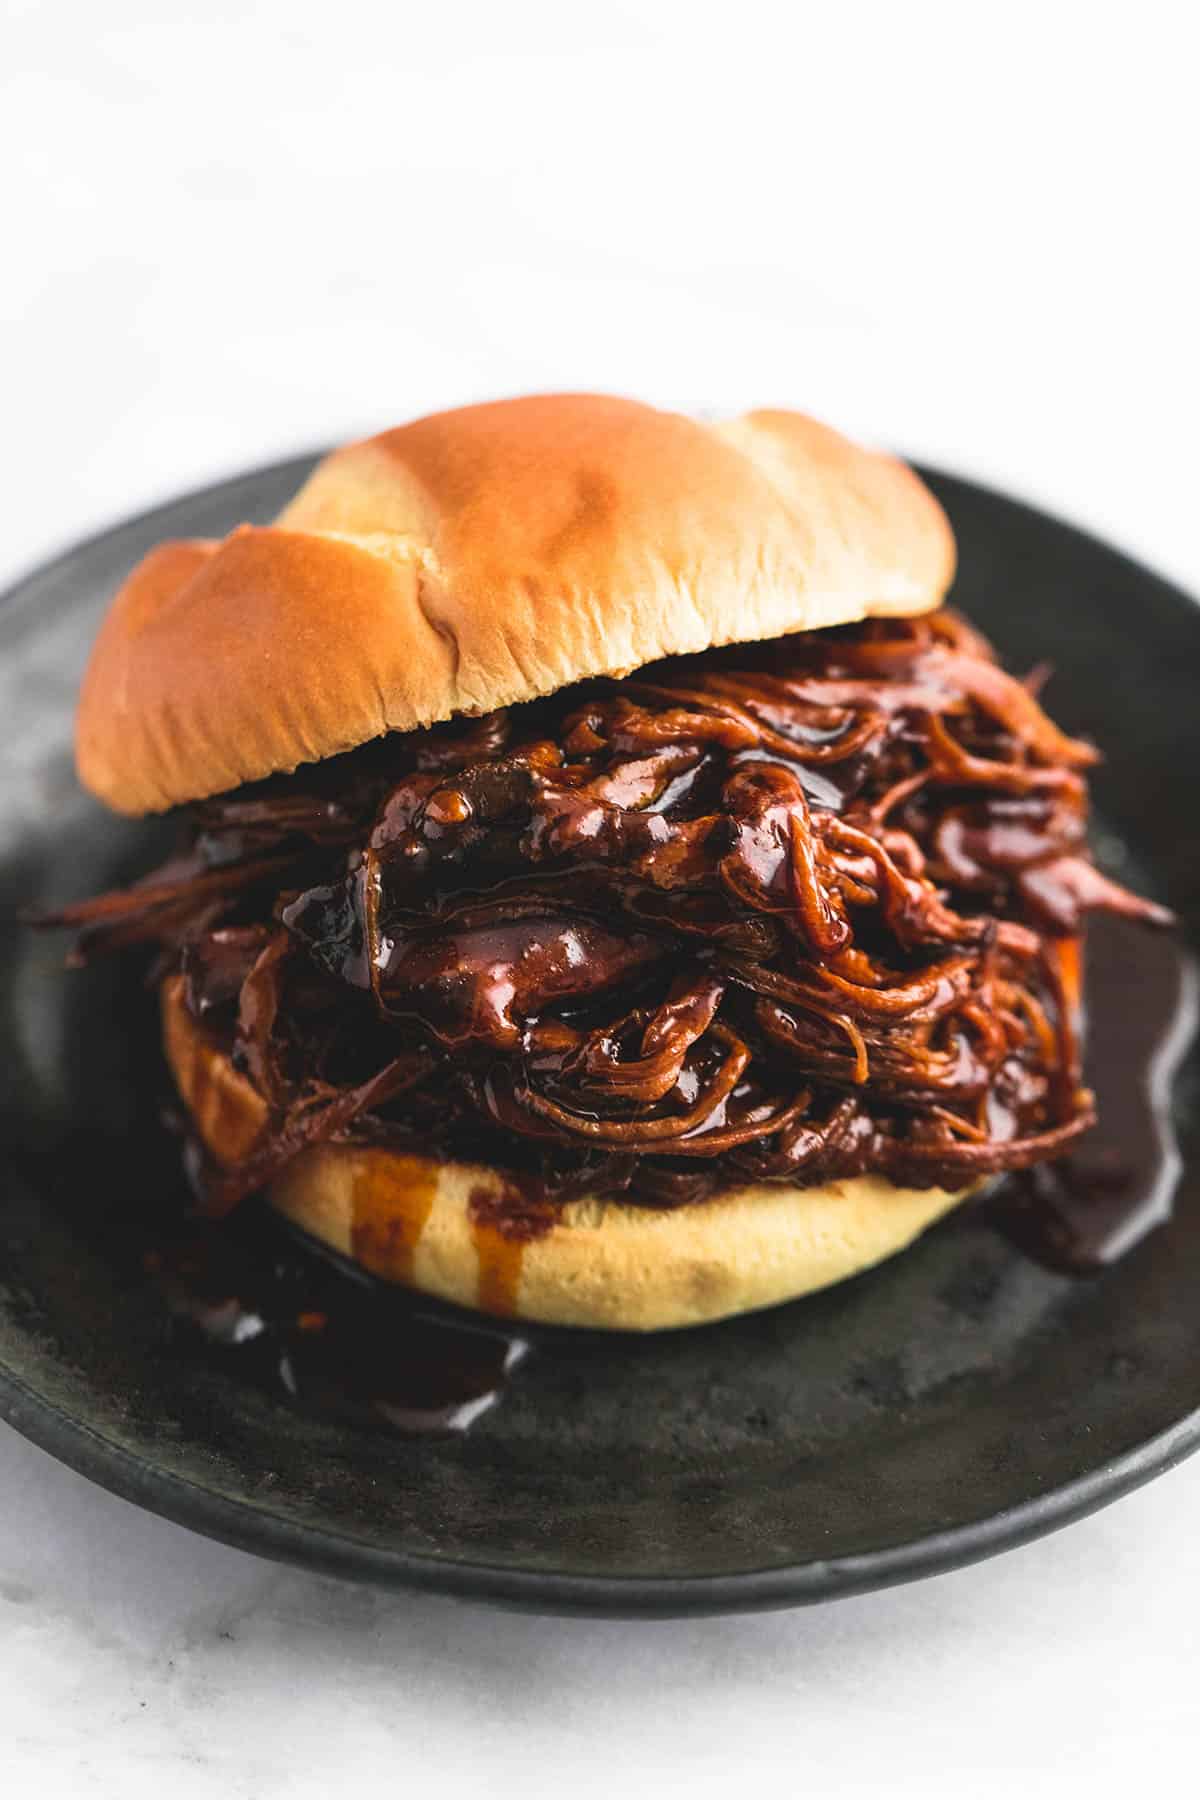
column 613, row 890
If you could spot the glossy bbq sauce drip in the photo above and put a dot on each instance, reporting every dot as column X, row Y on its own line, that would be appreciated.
column 246, row 1296
column 251, row 1297
column 388, row 1215
column 1086, row 1210
column 503, row 1220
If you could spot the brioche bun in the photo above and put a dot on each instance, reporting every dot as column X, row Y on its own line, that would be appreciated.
column 486, row 556
column 419, row 1221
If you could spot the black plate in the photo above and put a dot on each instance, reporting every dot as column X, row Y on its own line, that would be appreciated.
column 957, row 1400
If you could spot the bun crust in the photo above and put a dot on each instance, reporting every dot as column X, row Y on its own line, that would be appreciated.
column 482, row 557
column 425, row 1224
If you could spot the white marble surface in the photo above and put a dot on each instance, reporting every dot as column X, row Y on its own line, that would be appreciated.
column 237, row 233
column 137, row 1660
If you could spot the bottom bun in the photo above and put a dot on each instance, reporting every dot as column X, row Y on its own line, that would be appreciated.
column 431, row 1225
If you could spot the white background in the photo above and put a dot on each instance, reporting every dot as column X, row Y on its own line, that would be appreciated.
column 966, row 231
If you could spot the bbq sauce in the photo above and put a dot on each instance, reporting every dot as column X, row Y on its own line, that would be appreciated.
column 250, row 1296
column 1090, row 1207
column 803, row 829
column 503, row 1221
column 389, row 1211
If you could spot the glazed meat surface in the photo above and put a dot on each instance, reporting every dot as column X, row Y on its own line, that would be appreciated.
column 780, row 912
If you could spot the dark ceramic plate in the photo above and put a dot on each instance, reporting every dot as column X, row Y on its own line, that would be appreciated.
column 959, row 1399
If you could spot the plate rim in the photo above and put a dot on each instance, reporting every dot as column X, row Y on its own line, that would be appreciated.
column 243, row 1525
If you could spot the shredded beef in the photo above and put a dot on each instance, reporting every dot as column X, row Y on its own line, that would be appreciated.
column 784, row 912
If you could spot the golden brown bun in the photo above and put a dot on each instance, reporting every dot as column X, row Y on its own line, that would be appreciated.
column 411, row 1219
column 482, row 557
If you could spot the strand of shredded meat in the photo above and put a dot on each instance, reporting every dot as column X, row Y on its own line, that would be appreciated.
column 780, row 912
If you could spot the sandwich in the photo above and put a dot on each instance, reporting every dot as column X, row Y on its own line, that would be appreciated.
column 613, row 889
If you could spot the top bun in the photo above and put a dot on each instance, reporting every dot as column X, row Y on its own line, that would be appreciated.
column 485, row 556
